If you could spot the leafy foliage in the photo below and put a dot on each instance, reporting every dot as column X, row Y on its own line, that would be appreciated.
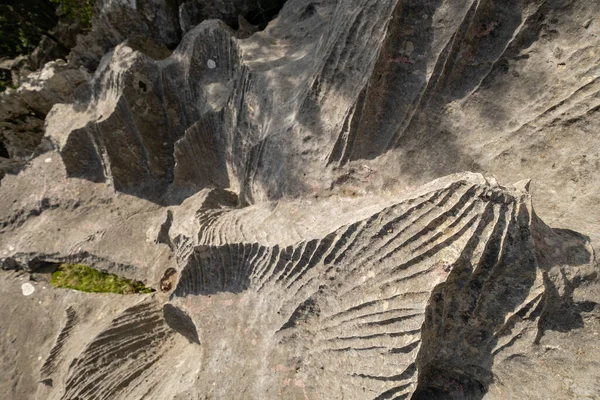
column 87, row 279
column 22, row 24
column 5, row 80
column 82, row 10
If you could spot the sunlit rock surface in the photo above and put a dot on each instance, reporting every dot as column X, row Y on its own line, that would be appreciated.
column 290, row 178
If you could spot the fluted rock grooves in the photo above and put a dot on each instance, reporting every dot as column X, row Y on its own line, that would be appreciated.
column 289, row 177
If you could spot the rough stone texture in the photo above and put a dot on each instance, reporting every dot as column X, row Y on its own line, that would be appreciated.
column 23, row 110
column 115, row 21
column 64, row 37
column 295, row 194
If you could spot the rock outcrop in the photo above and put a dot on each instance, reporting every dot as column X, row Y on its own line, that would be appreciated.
column 23, row 111
column 289, row 177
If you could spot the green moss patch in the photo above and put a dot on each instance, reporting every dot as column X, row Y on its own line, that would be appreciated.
column 87, row 279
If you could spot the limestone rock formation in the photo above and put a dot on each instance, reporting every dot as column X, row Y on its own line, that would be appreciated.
column 289, row 176
column 23, row 110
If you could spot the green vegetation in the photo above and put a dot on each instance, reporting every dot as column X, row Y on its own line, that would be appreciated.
column 87, row 279
column 5, row 80
column 83, row 10
column 23, row 23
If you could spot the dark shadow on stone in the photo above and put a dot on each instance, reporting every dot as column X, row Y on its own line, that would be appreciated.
column 147, row 46
column 309, row 309
column 163, row 233
column 9, row 264
column 561, row 313
column 81, row 157
column 48, row 382
column 449, row 384
column 576, row 246
column 266, row 11
column 258, row 13
column 218, row 198
column 159, row 142
column 200, row 159
column 467, row 314
column 3, row 151
column 478, row 61
column 180, row 322
column 403, row 107
column 564, row 255
column 41, row 271
column 114, row 23
column 215, row 269
column 37, row 265
column 397, row 80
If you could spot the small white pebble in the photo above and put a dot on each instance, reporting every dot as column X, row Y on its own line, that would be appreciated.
column 43, row 287
column 47, row 160
column 40, row 302
column 39, row 358
column 211, row 64
column 27, row 289
column 11, row 248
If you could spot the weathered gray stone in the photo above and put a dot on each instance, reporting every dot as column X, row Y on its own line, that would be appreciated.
column 23, row 110
column 295, row 194
column 118, row 20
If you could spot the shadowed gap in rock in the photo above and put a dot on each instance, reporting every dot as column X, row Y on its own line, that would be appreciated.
column 257, row 12
column 3, row 151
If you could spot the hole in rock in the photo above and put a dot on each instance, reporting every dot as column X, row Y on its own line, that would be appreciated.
column 3, row 151
column 308, row 12
column 168, row 280
column 265, row 12
column 255, row 12
column 142, row 86
column 447, row 383
column 41, row 271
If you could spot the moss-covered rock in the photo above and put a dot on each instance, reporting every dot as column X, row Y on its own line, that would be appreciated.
column 87, row 279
